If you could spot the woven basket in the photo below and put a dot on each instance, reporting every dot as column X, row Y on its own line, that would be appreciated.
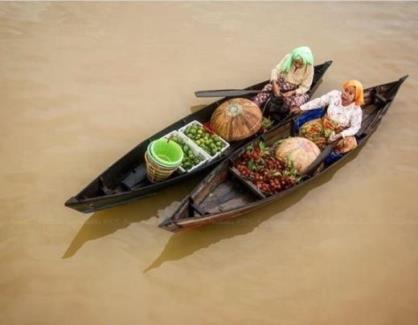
column 155, row 172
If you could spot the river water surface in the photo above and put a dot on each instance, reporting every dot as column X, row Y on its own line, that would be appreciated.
column 81, row 84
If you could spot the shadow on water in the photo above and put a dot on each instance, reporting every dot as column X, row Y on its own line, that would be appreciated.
column 188, row 242
column 106, row 222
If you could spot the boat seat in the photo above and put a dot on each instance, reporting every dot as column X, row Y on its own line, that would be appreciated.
column 106, row 190
column 197, row 208
column 135, row 177
column 246, row 183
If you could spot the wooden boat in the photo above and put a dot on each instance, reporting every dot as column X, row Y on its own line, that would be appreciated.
column 225, row 194
column 126, row 179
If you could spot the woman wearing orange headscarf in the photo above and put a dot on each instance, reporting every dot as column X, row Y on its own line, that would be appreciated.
column 341, row 121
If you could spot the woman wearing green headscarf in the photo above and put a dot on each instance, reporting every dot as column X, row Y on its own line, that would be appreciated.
column 291, row 79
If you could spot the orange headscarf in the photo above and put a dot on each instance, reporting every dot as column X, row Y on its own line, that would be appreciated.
column 358, row 88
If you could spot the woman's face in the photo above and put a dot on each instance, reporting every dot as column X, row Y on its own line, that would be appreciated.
column 298, row 63
column 348, row 95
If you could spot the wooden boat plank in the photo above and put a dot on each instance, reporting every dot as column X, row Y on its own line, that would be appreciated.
column 246, row 183
column 135, row 177
column 226, row 196
column 209, row 186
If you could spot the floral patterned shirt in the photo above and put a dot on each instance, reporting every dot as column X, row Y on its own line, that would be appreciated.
column 349, row 117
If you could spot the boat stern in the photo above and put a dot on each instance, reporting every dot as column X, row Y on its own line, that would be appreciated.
column 169, row 225
column 77, row 205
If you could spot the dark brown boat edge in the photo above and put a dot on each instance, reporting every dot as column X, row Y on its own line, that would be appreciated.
column 108, row 189
column 195, row 209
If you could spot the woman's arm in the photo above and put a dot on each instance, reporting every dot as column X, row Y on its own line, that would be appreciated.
column 307, row 81
column 317, row 102
column 355, row 123
column 276, row 70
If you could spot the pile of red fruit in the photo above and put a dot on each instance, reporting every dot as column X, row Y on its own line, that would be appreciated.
column 269, row 174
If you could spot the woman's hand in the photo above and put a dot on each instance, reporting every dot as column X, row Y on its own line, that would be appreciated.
column 334, row 137
column 289, row 93
column 276, row 88
column 295, row 110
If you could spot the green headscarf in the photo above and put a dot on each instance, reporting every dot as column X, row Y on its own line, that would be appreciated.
column 303, row 53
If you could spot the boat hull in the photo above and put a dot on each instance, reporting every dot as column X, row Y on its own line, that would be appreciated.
column 191, row 212
column 106, row 190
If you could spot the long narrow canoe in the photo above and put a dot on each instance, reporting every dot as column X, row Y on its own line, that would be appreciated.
column 224, row 194
column 126, row 179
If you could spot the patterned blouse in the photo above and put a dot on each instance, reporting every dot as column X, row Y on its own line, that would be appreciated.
column 349, row 117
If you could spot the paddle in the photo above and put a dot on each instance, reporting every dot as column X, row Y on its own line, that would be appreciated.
column 318, row 161
column 226, row 92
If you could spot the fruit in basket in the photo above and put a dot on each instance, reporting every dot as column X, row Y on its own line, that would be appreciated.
column 299, row 151
column 208, row 141
column 237, row 119
column 190, row 158
column 270, row 175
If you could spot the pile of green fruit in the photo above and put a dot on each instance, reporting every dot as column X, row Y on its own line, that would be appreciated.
column 190, row 159
column 209, row 142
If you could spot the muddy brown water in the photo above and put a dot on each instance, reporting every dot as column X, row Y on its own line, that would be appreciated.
column 81, row 84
